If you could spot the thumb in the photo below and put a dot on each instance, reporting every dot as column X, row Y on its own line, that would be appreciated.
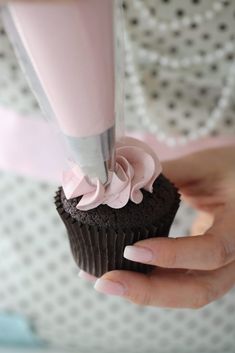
column 179, row 171
column 202, row 223
column 187, row 170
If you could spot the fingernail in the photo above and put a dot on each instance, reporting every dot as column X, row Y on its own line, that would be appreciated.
column 109, row 287
column 84, row 275
column 137, row 253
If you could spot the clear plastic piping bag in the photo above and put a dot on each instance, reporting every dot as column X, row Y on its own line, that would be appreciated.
column 72, row 53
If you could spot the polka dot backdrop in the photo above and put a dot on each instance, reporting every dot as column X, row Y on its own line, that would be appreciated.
column 178, row 100
column 39, row 280
column 37, row 273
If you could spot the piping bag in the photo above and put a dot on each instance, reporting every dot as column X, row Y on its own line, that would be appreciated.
column 67, row 51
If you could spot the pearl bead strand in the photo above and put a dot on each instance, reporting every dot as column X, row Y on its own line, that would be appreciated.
column 216, row 115
column 175, row 25
column 146, row 55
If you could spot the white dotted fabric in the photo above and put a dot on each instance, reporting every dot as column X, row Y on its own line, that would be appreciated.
column 38, row 276
column 39, row 280
column 178, row 101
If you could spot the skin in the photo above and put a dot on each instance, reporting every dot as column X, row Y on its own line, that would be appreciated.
column 191, row 271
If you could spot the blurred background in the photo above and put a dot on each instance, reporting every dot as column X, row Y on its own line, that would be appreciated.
column 44, row 307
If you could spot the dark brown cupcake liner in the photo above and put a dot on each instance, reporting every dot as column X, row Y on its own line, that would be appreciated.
column 98, row 250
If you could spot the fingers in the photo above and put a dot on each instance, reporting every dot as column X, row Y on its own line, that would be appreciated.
column 203, row 252
column 189, row 170
column 213, row 250
column 210, row 251
column 193, row 289
column 182, row 170
column 173, row 170
column 202, row 223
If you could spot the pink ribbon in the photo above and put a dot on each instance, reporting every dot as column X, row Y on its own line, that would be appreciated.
column 29, row 146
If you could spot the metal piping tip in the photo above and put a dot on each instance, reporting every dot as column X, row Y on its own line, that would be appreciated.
column 95, row 154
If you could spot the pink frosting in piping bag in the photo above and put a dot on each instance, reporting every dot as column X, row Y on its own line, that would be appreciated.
column 137, row 167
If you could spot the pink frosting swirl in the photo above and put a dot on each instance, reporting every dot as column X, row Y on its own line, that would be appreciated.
column 137, row 167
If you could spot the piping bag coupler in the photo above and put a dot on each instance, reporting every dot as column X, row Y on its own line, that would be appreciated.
column 67, row 52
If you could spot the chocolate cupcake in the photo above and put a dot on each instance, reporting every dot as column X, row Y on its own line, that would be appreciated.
column 98, row 234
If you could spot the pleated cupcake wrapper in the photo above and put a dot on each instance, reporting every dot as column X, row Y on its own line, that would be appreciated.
column 98, row 250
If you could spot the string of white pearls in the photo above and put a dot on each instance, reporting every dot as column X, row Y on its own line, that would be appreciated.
column 146, row 55
column 212, row 121
column 175, row 25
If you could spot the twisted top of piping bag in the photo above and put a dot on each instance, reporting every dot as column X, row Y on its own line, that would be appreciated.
column 137, row 167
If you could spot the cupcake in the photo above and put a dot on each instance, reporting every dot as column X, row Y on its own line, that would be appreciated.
column 138, row 203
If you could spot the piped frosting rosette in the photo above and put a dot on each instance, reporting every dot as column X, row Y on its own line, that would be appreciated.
column 137, row 167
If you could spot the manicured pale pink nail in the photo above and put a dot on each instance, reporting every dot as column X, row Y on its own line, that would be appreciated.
column 109, row 287
column 137, row 253
column 84, row 275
